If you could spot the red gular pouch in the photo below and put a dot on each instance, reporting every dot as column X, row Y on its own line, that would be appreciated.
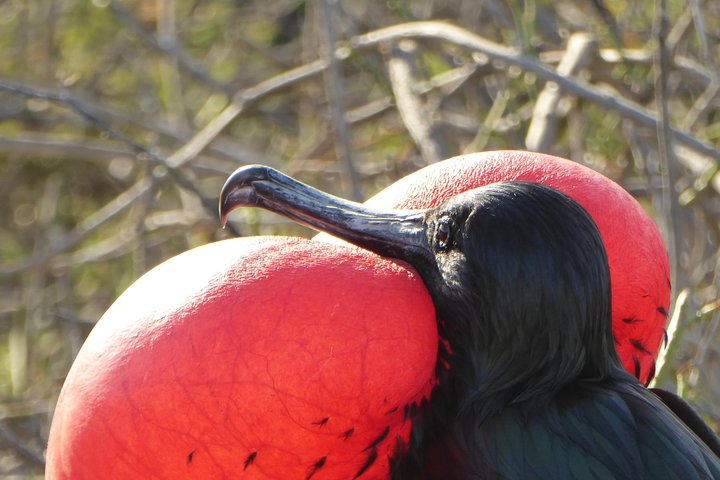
column 259, row 358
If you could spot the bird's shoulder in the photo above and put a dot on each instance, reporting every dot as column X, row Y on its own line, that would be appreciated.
column 616, row 429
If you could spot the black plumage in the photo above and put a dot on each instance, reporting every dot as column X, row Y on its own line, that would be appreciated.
column 690, row 418
column 530, row 384
column 535, row 388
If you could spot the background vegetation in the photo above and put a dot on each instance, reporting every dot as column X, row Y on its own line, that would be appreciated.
column 119, row 121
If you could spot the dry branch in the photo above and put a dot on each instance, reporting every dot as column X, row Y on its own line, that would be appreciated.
column 541, row 131
column 336, row 97
column 463, row 38
column 415, row 115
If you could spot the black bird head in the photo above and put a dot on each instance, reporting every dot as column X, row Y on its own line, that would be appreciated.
column 517, row 271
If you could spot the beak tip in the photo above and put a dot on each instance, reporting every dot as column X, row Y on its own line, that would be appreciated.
column 238, row 191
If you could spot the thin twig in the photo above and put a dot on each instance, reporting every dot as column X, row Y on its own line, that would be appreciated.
column 699, row 22
column 169, row 69
column 675, row 330
column 169, row 48
column 226, row 149
column 483, row 132
column 670, row 207
column 49, row 146
column 102, row 124
column 415, row 115
column 336, row 96
column 9, row 438
column 679, row 29
column 543, row 125
column 81, row 109
column 46, row 146
column 241, row 101
column 88, row 226
column 447, row 82
column 701, row 105
column 689, row 68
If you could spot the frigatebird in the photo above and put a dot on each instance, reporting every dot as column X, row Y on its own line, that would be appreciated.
column 530, row 384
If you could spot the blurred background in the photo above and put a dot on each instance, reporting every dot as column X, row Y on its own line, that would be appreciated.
column 120, row 120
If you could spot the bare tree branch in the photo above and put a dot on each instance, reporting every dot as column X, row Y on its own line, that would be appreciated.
column 541, row 131
column 335, row 94
column 415, row 115
column 450, row 33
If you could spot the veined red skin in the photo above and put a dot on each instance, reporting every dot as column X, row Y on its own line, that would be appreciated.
column 637, row 256
column 270, row 357
column 258, row 358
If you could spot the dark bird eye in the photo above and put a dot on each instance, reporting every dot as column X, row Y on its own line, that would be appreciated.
column 442, row 233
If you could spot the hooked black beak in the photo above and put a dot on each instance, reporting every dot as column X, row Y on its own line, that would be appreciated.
column 399, row 234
